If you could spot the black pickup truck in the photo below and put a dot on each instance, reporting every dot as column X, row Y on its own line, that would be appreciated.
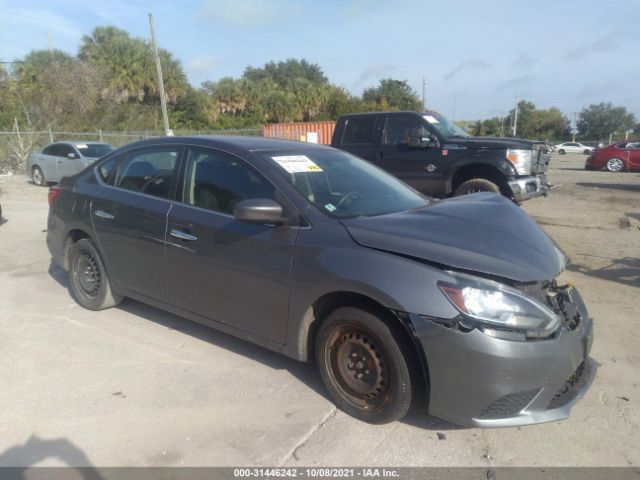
column 440, row 159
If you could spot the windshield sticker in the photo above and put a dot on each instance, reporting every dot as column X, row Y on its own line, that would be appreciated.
column 297, row 163
column 330, row 207
column 82, row 145
column 431, row 119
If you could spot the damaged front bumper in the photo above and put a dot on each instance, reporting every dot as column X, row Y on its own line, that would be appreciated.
column 525, row 188
column 479, row 380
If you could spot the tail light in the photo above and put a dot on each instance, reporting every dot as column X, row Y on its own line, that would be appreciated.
column 54, row 192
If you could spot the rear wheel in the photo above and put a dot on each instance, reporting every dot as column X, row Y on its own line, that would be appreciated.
column 38, row 177
column 88, row 280
column 615, row 164
column 587, row 152
column 476, row 185
column 367, row 365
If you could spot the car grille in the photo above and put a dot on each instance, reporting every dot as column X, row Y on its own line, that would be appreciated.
column 576, row 381
column 509, row 405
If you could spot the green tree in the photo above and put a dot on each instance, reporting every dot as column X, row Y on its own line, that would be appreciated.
column 130, row 65
column 285, row 73
column 393, row 95
column 597, row 122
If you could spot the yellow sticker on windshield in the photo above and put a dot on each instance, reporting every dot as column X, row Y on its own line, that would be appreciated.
column 297, row 163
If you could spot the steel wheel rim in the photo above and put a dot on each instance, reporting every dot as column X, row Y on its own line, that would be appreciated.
column 88, row 275
column 358, row 368
column 614, row 164
column 37, row 176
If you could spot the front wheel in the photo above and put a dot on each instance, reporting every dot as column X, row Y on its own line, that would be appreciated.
column 615, row 164
column 476, row 185
column 367, row 365
column 561, row 151
column 88, row 280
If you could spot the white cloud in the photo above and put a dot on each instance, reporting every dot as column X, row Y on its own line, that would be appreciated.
column 243, row 13
column 201, row 65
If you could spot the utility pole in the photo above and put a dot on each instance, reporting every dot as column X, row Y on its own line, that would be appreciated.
column 501, row 124
column 424, row 88
column 515, row 117
column 163, row 102
column 50, row 44
column 575, row 125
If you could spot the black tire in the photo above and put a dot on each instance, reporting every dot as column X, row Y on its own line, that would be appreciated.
column 88, row 281
column 561, row 151
column 476, row 185
column 38, row 177
column 367, row 365
column 614, row 164
column 587, row 152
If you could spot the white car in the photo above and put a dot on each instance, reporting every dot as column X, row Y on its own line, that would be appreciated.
column 573, row 147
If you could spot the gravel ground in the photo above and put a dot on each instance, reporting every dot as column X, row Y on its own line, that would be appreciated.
column 135, row 386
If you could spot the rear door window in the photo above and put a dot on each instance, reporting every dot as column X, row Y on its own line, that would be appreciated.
column 359, row 130
column 148, row 171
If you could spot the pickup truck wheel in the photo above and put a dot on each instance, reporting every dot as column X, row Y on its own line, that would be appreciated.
column 476, row 185
column 366, row 365
column 38, row 177
column 88, row 280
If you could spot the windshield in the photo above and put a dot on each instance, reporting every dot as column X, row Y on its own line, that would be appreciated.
column 94, row 150
column 344, row 186
column 444, row 126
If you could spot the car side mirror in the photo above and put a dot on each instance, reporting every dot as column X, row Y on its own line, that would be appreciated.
column 72, row 155
column 259, row 211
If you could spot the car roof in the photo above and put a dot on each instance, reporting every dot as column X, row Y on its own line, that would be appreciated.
column 240, row 144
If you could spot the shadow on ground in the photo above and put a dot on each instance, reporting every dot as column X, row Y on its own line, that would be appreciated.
column 611, row 186
column 623, row 270
column 35, row 450
column 304, row 372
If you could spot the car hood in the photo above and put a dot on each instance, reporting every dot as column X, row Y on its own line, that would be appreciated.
column 483, row 233
column 492, row 142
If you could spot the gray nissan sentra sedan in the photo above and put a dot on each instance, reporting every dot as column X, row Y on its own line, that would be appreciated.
column 309, row 251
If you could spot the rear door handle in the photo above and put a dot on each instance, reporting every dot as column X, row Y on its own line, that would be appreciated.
column 104, row 215
column 182, row 235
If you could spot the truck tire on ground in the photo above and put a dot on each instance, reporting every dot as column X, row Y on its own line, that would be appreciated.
column 367, row 365
column 476, row 185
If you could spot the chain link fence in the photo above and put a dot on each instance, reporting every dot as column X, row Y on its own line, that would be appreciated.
column 16, row 145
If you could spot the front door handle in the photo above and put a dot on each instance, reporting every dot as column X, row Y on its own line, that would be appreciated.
column 182, row 235
column 104, row 215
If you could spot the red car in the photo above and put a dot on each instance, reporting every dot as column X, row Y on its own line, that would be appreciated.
column 616, row 157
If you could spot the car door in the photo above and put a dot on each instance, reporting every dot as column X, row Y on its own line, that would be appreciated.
column 419, row 166
column 47, row 161
column 66, row 165
column 129, row 216
column 360, row 136
column 633, row 156
column 221, row 269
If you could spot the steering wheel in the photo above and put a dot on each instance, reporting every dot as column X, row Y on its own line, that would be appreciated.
column 349, row 196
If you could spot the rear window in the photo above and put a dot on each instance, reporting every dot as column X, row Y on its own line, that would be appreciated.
column 359, row 130
column 94, row 150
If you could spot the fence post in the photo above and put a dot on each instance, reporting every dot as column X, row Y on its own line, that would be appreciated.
column 100, row 135
column 50, row 132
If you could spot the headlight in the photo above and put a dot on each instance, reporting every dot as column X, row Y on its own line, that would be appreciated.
column 497, row 306
column 521, row 160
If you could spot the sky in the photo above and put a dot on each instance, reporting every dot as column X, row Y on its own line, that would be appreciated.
column 475, row 56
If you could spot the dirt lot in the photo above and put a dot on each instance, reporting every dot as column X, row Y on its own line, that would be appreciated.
column 135, row 386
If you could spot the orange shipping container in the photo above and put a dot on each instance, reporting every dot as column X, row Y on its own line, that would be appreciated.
column 314, row 132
